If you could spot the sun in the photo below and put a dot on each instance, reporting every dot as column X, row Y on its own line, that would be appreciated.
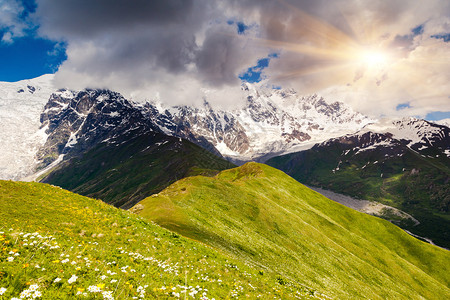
column 373, row 58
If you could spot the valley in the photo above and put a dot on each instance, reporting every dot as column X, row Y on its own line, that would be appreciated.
column 409, row 172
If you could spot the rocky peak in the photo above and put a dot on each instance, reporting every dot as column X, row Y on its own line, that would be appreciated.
column 75, row 122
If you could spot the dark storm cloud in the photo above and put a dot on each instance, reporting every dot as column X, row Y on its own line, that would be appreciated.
column 85, row 18
column 129, row 33
column 145, row 40
column 220, row 59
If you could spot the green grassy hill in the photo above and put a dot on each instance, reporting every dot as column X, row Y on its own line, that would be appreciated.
column 417, row 183
column 58, row 245
column 122, row 174
column 264, row 217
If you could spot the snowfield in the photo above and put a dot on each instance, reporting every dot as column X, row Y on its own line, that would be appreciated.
column 21, row 104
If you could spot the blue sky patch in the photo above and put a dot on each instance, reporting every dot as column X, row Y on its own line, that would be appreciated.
column 444, row 36
column 253, row 74
column 402, row 106
column 437, row 115
column 240, row 26
column 29, row 57
column 418, row 30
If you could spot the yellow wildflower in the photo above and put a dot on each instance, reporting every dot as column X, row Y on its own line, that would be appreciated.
column 101, row 285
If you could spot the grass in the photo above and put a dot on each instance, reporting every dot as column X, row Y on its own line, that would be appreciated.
column 264, row 217
column 423, row 193
column 58, row 245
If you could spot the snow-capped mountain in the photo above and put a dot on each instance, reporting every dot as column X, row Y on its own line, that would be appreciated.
column 21, row 104
column 101, row 145
column 416, row 134
column 271, row 122
column 445, row 122
column 78, row 121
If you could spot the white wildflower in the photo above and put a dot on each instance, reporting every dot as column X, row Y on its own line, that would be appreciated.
column 107, row 295
column 2, row 290
column 33, row 287
column 36, row 294
column 72, row 279
column 94, row 289
column 25, row 294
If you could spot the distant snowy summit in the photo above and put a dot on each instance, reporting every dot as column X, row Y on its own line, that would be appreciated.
column 270, row 122
column 423, row 137
column 445, row 122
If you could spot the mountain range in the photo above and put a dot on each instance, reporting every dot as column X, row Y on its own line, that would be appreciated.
column 269, row 122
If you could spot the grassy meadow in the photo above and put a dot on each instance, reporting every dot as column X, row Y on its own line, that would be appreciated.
column 262, row 216
column 58, row 245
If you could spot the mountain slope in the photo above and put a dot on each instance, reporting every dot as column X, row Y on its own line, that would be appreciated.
column 110, row 151
column 262, row 215
column 58, row 245
column 405, row 165
column 124, row 173
column 78, row 121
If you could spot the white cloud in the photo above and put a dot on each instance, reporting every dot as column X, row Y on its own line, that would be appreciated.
column 10, row 22
column 417, row 71
column 184, row 51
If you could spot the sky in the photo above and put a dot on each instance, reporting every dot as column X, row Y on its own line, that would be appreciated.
column 383, row 58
